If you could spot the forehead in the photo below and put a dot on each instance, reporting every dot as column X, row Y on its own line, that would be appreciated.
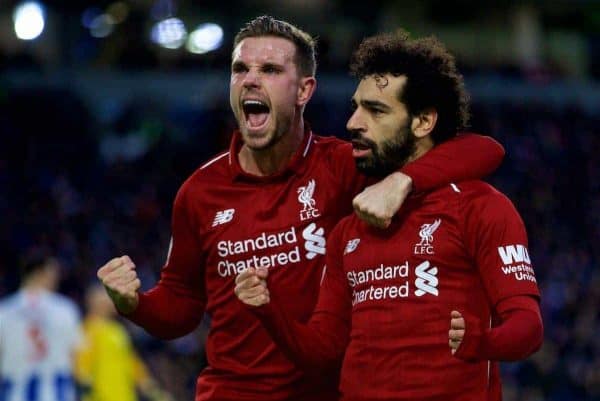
column 264, row 49
column 383, row 88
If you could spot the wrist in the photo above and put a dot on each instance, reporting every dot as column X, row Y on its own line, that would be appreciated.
column 124, row 305
column 470, row 347
column 402, row 181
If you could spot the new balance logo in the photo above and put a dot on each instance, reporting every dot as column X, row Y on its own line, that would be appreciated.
column 351, row 245
column 223, row 216
column 427, row 280
column 314, row 240
column 514, row 254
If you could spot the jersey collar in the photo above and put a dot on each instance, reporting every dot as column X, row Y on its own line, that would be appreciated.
column 296, row 165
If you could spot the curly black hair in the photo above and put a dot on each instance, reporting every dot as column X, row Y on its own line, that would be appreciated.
column 266, row 25
column 432, row 77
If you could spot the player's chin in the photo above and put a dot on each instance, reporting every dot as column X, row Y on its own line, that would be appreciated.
column 258, row 141
column 368, row 167
column 364, row 164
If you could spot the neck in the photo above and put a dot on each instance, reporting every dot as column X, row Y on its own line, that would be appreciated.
column 35, row 285
column 422, row 146
column 269, row 161
column 98, row 315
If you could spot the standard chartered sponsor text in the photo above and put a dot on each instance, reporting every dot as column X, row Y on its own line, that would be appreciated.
column 398, row 290
column 225, row 249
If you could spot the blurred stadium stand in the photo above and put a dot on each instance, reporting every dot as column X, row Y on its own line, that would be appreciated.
column 97, row 133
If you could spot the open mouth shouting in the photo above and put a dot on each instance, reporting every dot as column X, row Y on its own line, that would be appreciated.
column 256, row 114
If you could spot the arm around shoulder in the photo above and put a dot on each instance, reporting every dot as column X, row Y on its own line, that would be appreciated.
column 465, row 157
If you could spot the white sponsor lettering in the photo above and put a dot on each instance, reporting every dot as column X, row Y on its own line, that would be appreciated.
column 367, row 289
column 521, row 272
column 373, row 292
column 514, row 254
column 263, row 241
column 378, row 293
column 226, row 268
column 517, row 262
column 379, row 273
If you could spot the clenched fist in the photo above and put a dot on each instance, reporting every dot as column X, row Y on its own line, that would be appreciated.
column 251, row 286
column 121, row 282
column 378, row 203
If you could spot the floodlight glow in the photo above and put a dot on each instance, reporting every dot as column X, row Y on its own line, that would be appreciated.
column 102, row 26
column 206, row 38
column 89, row 15
column 170, row 33
column 118, row 11
column 29, row 21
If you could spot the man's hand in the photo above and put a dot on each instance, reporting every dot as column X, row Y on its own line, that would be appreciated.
column 121, row 282
column 251, row 286
column 457, row 330
column 378, row 203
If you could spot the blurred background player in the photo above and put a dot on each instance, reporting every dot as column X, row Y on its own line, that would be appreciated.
column 39, row 334
column 108, row 367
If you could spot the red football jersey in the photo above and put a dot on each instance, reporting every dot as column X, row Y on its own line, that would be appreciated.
column 225, row 220
column 462, row 247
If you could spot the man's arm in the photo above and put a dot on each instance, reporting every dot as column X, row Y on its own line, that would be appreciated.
column 318, row 344
column 467, row 156
column 174, row 307
column 495, row 236
column 519, row 334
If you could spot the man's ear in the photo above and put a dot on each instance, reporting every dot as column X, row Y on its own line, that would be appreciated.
column 307, row 87
column 424, row 122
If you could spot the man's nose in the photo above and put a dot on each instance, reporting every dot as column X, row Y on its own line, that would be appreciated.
column 355, row 122
column 251, row 79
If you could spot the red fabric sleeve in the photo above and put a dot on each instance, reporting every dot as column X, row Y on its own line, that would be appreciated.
column 519, row 334
column 319, row 344
column 496, row 239
column 465, row 157
column 175, row 306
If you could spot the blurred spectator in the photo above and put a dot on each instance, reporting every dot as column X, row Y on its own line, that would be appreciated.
column 39, row 333
column 108, row 367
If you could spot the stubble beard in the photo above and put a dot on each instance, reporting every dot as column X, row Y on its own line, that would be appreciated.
column 281, row 126
column 390, row 155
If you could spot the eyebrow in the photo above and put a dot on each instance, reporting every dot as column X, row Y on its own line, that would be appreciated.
column 373, row 104
column 238, row 63
column 271, row 64
column 266, row 64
